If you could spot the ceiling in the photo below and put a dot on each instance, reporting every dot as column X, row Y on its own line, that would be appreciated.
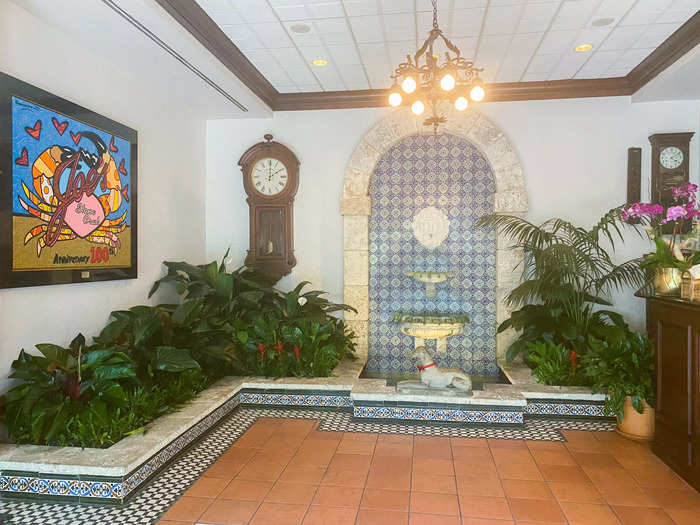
column 680, row 81
column 513, row 40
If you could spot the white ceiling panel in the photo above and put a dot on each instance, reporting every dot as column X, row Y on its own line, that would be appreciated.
column 513, row 40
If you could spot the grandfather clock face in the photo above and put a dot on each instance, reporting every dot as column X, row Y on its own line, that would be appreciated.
column 669, row 165
column 271, row 178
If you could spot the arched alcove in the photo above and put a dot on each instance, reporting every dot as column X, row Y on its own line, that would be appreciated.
column 356, row 207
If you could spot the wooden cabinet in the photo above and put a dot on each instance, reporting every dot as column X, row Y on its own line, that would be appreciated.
column 675, row 326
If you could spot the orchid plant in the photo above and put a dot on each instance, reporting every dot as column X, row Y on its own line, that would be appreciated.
column 654, row 218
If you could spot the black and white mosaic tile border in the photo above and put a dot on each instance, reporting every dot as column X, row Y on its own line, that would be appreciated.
column 163, row 490
column 561, row 408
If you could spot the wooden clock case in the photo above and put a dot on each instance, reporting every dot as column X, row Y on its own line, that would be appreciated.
column 271, row 216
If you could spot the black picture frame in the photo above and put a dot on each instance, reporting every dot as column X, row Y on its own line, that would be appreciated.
column 12, row 87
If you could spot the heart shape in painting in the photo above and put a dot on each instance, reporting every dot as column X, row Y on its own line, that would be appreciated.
column 84, row 216
column 34, row 132
column 60, row 127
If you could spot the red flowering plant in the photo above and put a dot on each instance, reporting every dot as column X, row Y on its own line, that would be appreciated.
column 655, row 220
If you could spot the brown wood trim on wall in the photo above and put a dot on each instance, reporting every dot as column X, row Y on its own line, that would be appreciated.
column 195, row 20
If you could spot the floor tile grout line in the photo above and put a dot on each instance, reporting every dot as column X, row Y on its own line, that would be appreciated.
column 556, row 501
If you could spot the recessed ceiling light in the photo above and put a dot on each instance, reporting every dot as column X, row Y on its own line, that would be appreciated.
column 583, row 48
column 300, row 28
column 602, row 22
column 319, row 62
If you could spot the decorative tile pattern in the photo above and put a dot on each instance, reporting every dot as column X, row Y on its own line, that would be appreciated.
column 310, row 400
column 558, row 408
column 440, row 414
column 114, row 490
column 447, row 173
column 146, row 506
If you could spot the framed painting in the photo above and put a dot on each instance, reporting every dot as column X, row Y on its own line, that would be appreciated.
column 68, row 187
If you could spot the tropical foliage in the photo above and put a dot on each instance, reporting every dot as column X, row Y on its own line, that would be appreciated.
column 621, row 367
column 150, row 359
column 555, row 365
column 568, row 276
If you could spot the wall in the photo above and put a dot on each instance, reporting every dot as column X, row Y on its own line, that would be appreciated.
column 171, row 180
column 573, row 152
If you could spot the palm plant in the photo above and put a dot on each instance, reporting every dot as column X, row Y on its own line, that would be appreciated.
column 567, row 273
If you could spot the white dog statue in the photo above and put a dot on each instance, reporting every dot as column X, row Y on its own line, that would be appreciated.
column 433, row 376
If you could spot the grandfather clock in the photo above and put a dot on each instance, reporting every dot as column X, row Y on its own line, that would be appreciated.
column 271, row 178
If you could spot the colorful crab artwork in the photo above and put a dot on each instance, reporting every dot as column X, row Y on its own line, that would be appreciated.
column 77, row 189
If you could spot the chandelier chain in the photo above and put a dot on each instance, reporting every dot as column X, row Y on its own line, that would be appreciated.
column 435, row 21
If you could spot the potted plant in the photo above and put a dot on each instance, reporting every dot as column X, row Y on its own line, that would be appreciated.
column 668, row 262
column 623, row 368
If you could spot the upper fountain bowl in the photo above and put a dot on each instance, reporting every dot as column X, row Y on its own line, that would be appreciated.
column 430, row 278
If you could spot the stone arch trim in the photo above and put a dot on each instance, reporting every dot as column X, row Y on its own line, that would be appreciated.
column 355, row 206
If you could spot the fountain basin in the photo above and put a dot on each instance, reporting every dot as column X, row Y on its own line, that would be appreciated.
column 430, row 279
column 422, row 326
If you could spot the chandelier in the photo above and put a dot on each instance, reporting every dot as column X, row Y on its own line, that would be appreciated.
column 431, row 83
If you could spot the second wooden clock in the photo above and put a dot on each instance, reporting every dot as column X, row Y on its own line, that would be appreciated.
column 271, row 179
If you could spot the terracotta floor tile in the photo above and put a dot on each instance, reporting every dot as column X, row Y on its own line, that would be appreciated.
column 401, row 464
column 170, row 522
column 683, row 516
column 458, row 442
column 522, row 471
column 402, row 439
column 440, row 467
column 279, row 514
column 223, row 470
column 324, row 435
column 246, row 490
column 475, row 485
column 187, row 508
column 575, row 492
column 344, row 478
column 385, row 499
column 229, row 512
column 381, row 517
column 626, row 495
column 675, row 499
column 486, row 469
column 473, row 454
column 484, row 507
column 663, row 478
column 571, row 474
column 553, row 457
column 431, row 440
column 536, row 510
column 332, row 496
column 206, row 487
column 351, row 462
column 512, row 455
column 355, row 446
column 589, row 514
column 506, row 443
column 432, row 451
column 432, row 519
column 486, row 521
column 393, row 449
column 318, row 515
column 429, row 503
column 642, row 516
column 239, row 454
column 609, row 476
column 592, row 459
column 433, row 483
column 361, row 436
column 301, row 493
column 544, row 445
column 261, row 471
column 311, row 475
column 526, row 489
column 388, row 480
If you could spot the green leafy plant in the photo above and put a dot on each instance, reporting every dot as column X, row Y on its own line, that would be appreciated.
column 567, row 273
column 621, row 367
column 555, row 365
column 63, row 383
